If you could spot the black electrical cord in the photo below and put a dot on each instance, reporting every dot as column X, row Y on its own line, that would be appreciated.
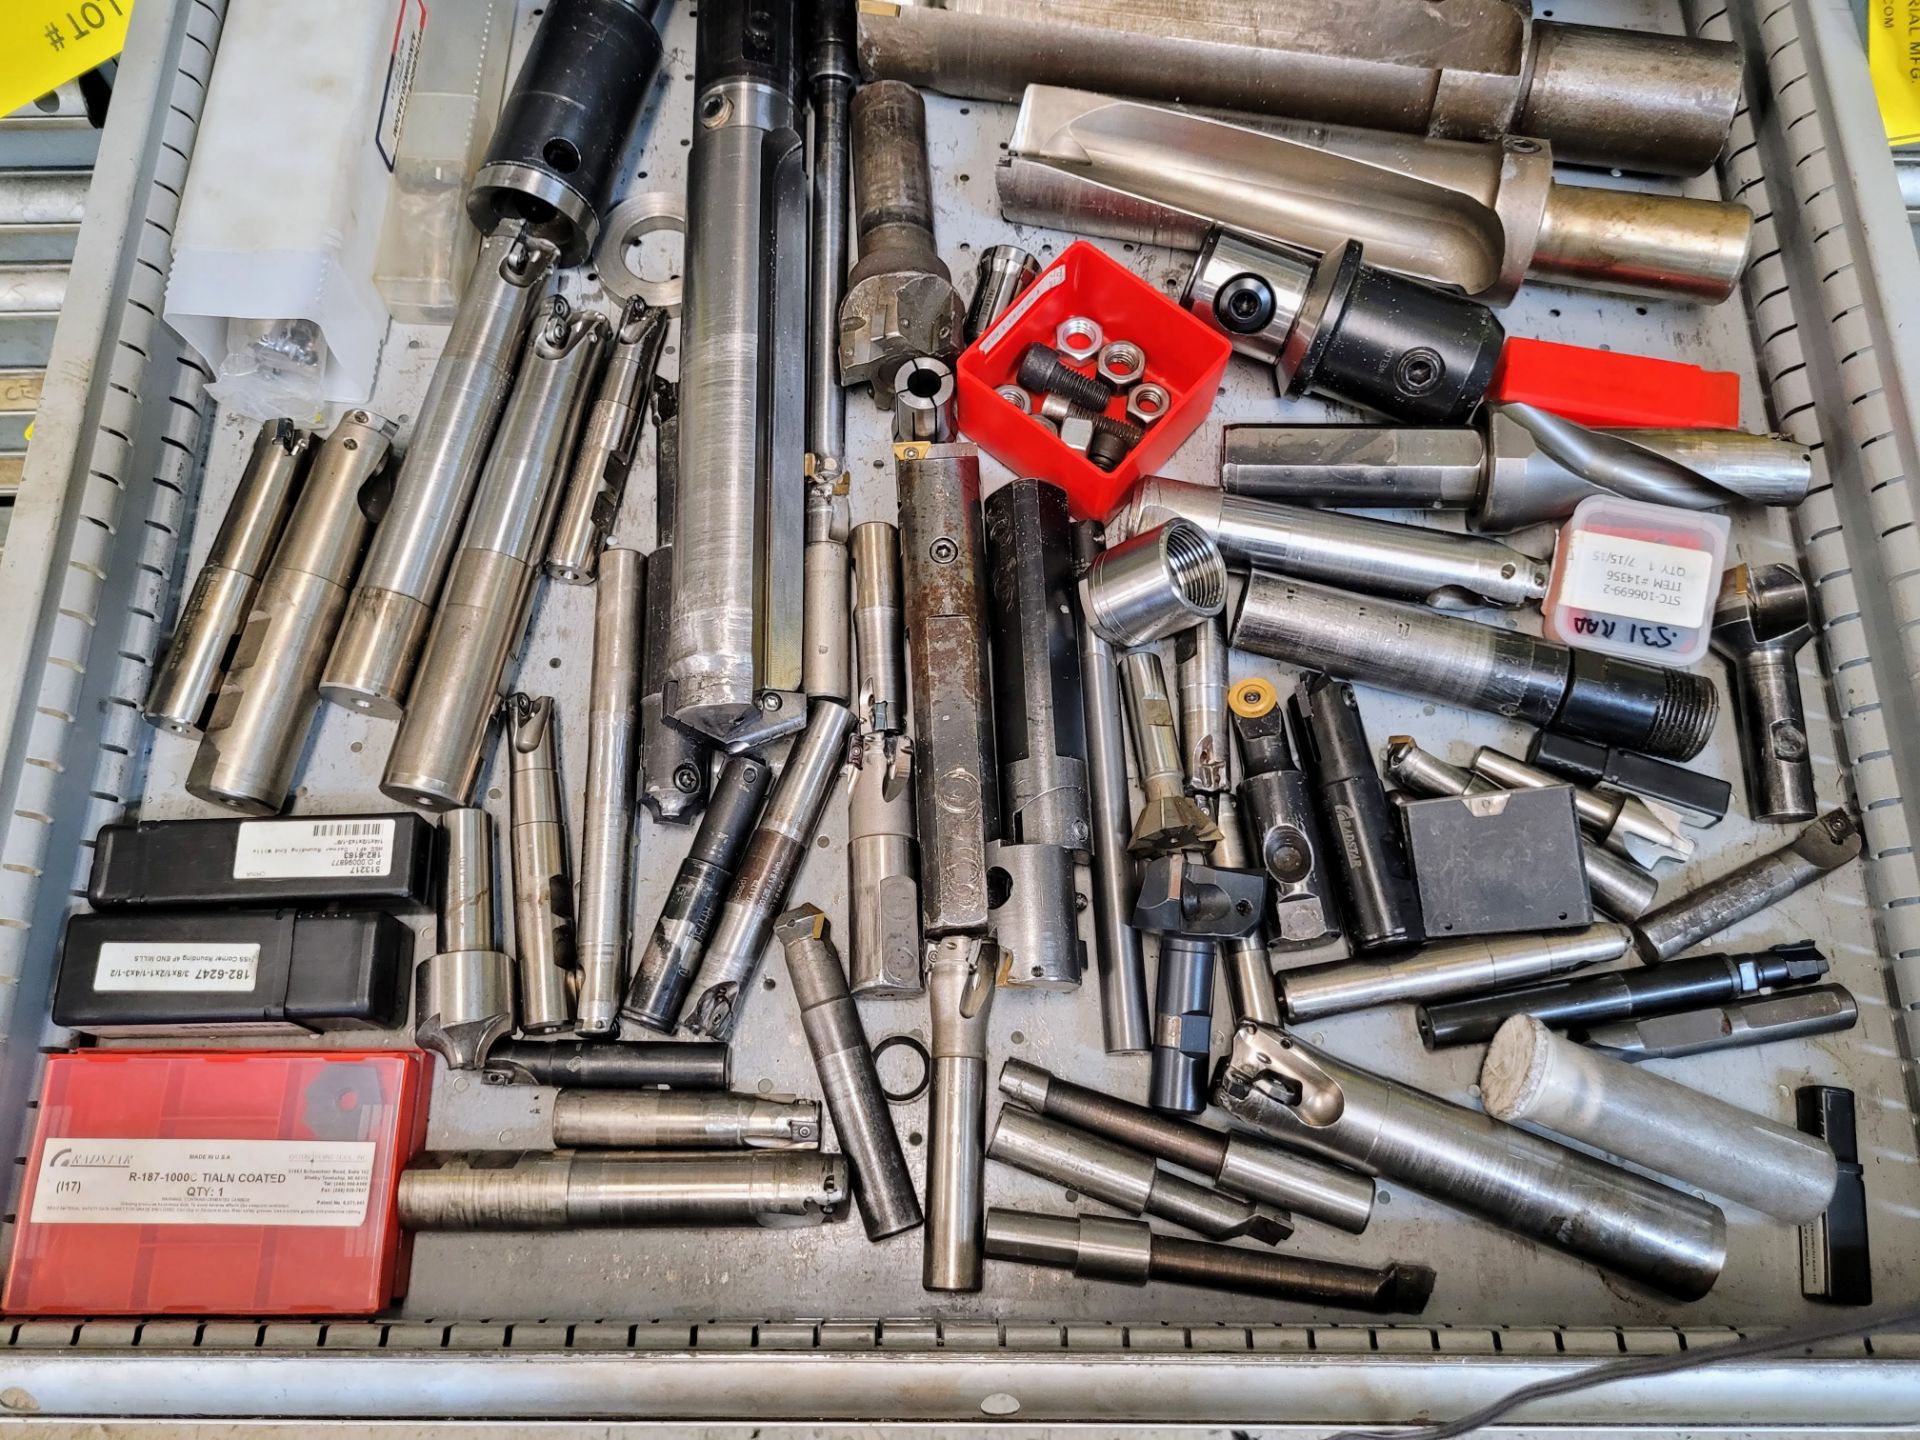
column 1746, row 1348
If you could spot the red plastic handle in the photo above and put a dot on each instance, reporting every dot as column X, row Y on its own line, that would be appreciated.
column 1608, row 389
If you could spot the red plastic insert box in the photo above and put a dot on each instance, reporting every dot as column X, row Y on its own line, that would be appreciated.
column 1183, row 355
column 217, row 1183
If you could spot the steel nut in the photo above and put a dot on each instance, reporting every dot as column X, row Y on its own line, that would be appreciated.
column 1146, row 402
column 1016, row 397
column 1122, row 362
column 1078, row 338
column 1076, row 432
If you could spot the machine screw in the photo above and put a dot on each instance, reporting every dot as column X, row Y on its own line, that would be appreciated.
column 1043, row 369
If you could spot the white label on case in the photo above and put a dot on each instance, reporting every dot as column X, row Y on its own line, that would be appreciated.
column 312, row 849
column 132, row 965
column 1638, row 579
column 203, row 1182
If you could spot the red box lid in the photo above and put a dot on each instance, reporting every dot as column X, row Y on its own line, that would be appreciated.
column 1614, row 390
column 303, row 1148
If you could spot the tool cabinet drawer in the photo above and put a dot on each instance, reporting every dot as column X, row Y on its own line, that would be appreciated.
column 132, row 466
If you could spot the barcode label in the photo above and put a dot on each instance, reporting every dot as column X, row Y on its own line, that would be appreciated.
column 132, row 966
column 313, row 849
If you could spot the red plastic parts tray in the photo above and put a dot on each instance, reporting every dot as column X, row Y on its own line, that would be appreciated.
column 139, row 1157
column 1182, row 354
column 1609, row 389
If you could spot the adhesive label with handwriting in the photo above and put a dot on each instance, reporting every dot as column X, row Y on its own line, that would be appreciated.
column 1638, row 579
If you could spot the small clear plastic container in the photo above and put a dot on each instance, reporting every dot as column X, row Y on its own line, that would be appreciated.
column 1635, row 579
column 459, row 73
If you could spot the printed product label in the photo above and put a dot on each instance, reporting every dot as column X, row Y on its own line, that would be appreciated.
column 312, row 849
column 204, row 1182
column 1638, row 579
column 131, row 965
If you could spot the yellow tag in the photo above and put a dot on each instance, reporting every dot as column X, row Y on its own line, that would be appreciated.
column 1893, row 55
column 45, row 43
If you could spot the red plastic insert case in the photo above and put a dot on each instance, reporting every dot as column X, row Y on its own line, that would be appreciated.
column 159, row 1136
column 1183, row 354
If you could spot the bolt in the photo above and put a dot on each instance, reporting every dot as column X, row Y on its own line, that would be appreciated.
column 943, row 551
column 1042, row 369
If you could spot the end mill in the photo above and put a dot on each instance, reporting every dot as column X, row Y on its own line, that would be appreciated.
column 463, row 995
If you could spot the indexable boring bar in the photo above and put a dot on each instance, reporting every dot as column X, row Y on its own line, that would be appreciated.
column 1645, row 831
column 832, row 75
column 216, row 609
column 1821, row 848
column 882, row 1185
column 960, row 985
column 665, row 973
column 1182, row 1024
column 1663, row 1238
column 392, row 608
column 1588, row 1000
column 1639, row 101
column 1171, row 819
column 1621, row 888
column 1531, row 1074
column 267, row 702
column 607, row 826
column 673, row 759
column 1733, row 1025
column 881, row 652
column 609, row 438
column 572, row 1190
column 1099, row 1247
column 1410, row 562
column 683, row 1120
column 1233, row 1160
column 1249, row 967
column 1040, row 736
column 1760, row 623
column 1200, row 667
column 1455, row 661
column 543, row 938
column 1370, row 862
column 1118, row 958
column 1503, row 478
column 735, row 645
column 1285, row 835
column 771, row 860
column 1126, row 1179
column 436, row 754
column 600, row 1065
column 1447, row 969
column 883, row 957
column 900, row 300
column 555, row 156
column 826, row 668
column 463, row 994
column 956, row 778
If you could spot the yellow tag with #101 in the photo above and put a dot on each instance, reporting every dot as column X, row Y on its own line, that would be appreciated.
column 45, row 43
column 1893, row 55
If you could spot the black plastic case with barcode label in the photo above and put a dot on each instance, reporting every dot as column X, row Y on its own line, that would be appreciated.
column 233, row 972
column 383, row 860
